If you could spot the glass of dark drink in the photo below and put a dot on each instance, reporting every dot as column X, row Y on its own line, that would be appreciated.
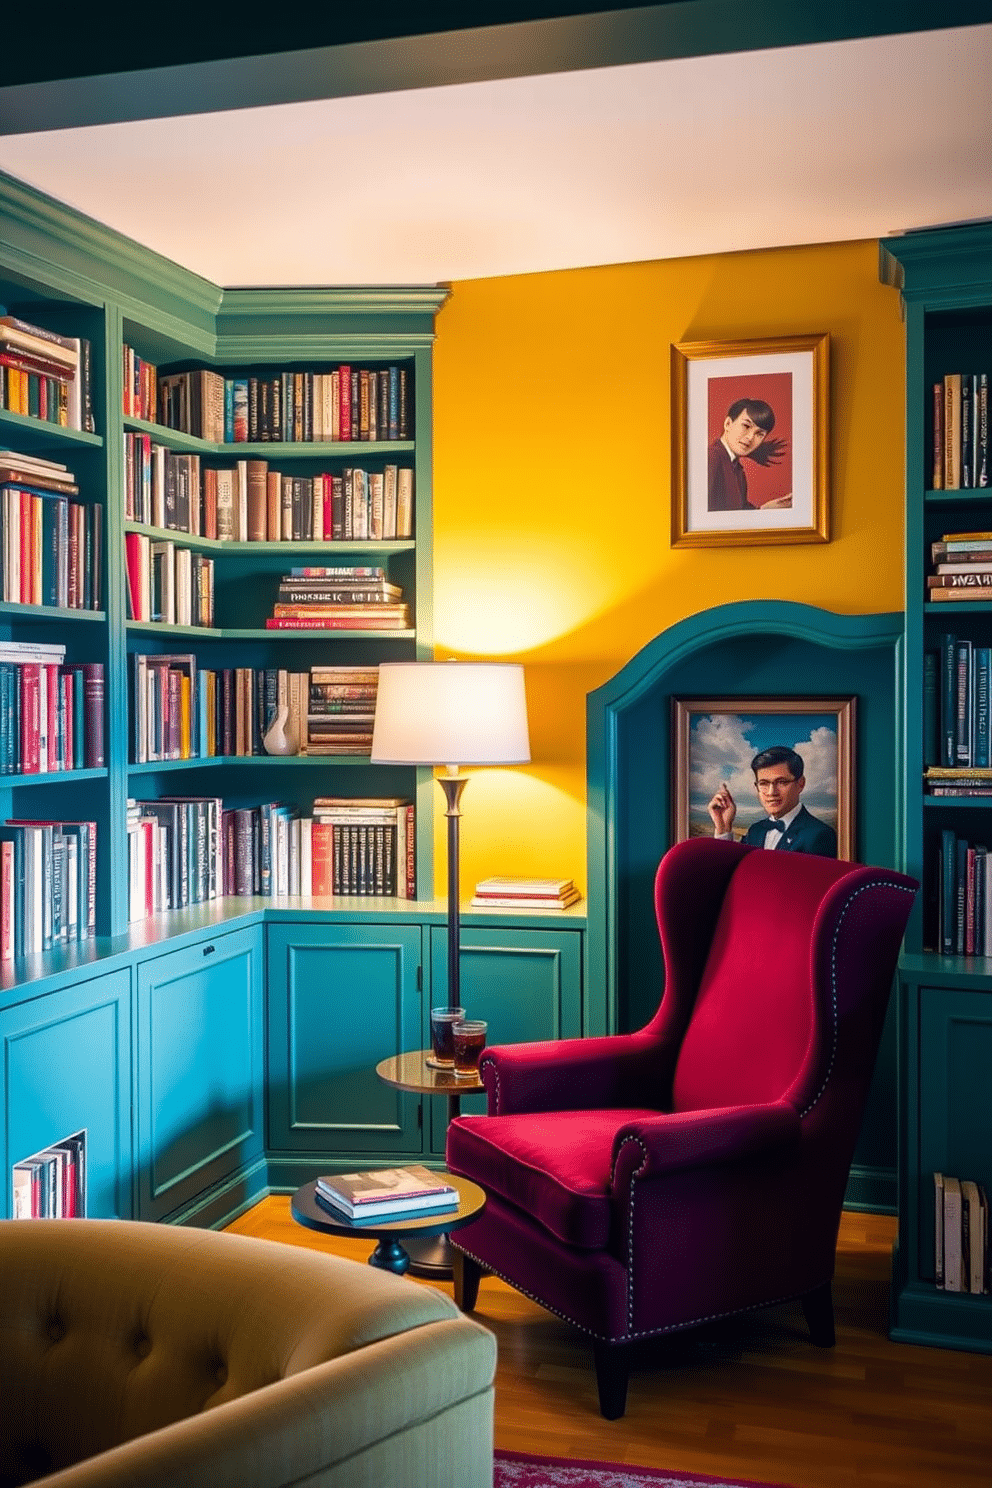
column 443, row 1020
column 470, row 1040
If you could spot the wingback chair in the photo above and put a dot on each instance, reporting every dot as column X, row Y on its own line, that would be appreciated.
column 642, row 1183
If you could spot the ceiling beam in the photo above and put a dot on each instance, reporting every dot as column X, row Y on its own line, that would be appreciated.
column 50, row 82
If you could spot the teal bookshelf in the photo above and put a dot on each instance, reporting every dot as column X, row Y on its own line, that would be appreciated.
column 945, row 1002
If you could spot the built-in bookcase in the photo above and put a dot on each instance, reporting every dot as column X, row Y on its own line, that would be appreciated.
column 945, row 1000
column 79, row 280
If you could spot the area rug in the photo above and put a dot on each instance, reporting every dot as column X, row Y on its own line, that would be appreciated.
column 520, row 1470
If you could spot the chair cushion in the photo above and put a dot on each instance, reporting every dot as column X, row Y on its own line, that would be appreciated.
column 555, row 1165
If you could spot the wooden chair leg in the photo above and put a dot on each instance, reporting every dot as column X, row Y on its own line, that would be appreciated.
column 612, row 1373
column 818, row 1309
column 466, row 1275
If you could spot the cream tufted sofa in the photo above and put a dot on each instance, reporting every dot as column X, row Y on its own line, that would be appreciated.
column 138, row 1355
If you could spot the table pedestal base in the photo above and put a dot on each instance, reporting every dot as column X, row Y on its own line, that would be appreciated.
column 390, row 1255
column 431, row 1257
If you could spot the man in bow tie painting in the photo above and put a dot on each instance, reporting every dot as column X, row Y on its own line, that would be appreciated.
column 786, row 826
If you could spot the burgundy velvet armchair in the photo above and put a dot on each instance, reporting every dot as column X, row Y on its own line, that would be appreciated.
column 643, row 1183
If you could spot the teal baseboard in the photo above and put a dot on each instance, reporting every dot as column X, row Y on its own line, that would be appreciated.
column 872, row 1191
column 225, row 1201
column 930, row 1318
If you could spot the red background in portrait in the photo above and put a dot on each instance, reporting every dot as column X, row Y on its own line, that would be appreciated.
column 763, row 482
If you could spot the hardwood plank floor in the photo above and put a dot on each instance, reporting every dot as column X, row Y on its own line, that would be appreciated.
column 752, row 1397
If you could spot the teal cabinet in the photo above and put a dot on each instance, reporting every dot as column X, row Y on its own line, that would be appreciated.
column 526, row 983
column 65, row 1066
column 341, row 998
column 200, row 1070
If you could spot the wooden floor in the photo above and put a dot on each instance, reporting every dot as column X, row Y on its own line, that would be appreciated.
column 753, row 1398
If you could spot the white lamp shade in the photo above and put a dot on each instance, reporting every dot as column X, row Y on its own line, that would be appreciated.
column 450, row 713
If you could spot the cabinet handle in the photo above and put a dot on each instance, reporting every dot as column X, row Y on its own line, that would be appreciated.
column 209, row 950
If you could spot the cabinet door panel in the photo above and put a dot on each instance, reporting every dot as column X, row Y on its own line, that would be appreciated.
column 341, row 998
column 200, row 1068
column 527, row 984
column 955, row 1123
column 66, row 1067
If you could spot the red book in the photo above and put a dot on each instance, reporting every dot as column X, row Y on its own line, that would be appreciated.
column 322, row 858
column 30, row 718
column 134, row 565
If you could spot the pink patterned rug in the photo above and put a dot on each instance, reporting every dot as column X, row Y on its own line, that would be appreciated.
column 520, row 1470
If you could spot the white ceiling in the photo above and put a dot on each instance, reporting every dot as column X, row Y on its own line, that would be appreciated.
column 823, row 143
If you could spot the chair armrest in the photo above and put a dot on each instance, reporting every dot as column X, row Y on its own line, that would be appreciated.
column 657, row 1145
column 572, row 1074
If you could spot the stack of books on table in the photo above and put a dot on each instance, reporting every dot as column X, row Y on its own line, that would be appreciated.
column 525, row 893
column 385, row 1193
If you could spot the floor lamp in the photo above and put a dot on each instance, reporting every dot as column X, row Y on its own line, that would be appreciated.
column 451, row 713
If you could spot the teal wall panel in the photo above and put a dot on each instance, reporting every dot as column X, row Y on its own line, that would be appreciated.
column 200, row 1068
column 67, row 1067
column 341, row 998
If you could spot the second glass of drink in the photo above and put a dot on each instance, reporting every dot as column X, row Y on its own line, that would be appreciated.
column 470, row 1040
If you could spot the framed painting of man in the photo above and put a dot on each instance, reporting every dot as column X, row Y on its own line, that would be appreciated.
column 750, row 442
column 775, row 772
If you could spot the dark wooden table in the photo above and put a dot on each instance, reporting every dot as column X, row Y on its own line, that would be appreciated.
column 429, row 1257
column 391, row 1254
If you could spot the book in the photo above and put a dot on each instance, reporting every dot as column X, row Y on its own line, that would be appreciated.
column 953, row 1258
column 382, row 1190
column 376, row 1214
column 532, row 887
column 973, row 1237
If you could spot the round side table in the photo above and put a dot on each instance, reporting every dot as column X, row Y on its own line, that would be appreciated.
column 394, row 1236
column 431, row 1258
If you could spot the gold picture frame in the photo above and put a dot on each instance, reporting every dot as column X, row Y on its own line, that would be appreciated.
column 750, row 442
column 716, row 740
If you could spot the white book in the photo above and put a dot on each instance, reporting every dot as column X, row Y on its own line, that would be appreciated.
column 306, row 856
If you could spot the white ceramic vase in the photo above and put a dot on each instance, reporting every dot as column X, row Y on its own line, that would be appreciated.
column 280, row 737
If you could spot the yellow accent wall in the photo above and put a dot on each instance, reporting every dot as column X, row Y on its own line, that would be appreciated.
column 553, row 486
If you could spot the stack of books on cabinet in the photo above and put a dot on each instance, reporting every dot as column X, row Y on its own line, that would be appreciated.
column 961, row 1235
column 525, row 893
column 961, row 567
column 382, row 1195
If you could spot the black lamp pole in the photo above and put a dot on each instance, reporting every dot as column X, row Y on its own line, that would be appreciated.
column 453, row 784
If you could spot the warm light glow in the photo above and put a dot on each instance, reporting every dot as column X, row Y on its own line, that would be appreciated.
column 450, row 713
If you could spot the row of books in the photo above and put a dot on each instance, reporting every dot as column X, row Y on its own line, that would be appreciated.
column 51, row 711
column 385, row 1193
column 166, row 583
column 47, row 885
column 250, row 502
column 51, row 1184
column 52, row 545
column 957, row 705
column 525, row 893
column 180, row 710
column 343, row 403
column 964, row 897
column 962, row 567
column 185, row 850
column 46, row 376
column 345, row 598
column 961, row 431
column 961, row 1235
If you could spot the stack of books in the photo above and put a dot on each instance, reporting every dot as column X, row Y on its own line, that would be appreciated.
column 961, row 1235
column 385, row 1193
column 962, row 567
column 348, row 597
column 341, row 709
column 525, row 893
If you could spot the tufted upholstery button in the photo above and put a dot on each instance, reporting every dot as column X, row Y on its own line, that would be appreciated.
column 56, row 1331
column 222, row 1374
